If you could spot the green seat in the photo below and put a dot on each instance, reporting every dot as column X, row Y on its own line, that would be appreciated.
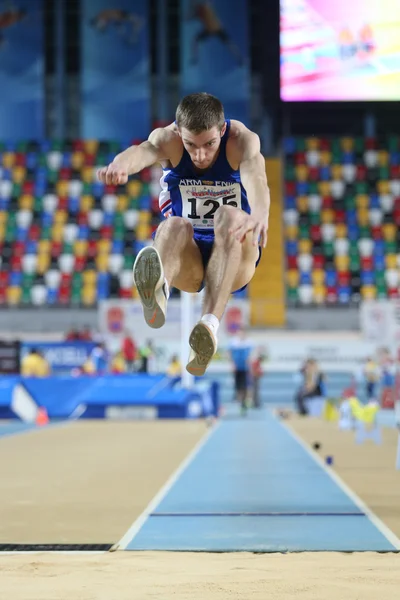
column 359, row 144
column 76, row 296
column 17, row 190
column 300, row 145
column 393, row 143
column 381, row 291
column 365, row 231
column 313, row 189
column 134, row 203
column 46, row 233
column 76, row 281
column 304, row 232
column 384, row 173
column 289, row 172
column 315, row 218
column 350, row 202
column 26, row 296
column 354, row 264
column 67, row 248
column 86, row 189
column 42, row 160
column 52, row 176
column 380, row 279
column 390, row 247
column 328, row 248
column 119, row 233
column 361, row 187
column 57, row 145
column 22, row 146
column 292, row 294
column 38, row 204
column 128, row 262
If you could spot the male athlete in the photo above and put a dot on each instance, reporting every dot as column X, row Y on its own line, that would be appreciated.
column 215, row 198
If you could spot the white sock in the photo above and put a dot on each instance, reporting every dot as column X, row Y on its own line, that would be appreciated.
column 211, row 321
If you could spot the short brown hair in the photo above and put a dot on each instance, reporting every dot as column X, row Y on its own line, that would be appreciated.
column 200, row 112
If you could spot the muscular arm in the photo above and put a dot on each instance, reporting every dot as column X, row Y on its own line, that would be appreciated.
column 136, row 158
column 254, row 180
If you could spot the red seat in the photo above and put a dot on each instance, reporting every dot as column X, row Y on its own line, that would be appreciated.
column 82, row 218
column 66, row 279
column 62, row 203
column 367, row 263
column 78, row 145
column 146, row 175
column 318, row 261
column 376, row 232
column 324, row 144
column 291, row 262
column 110, row 189
column 106, row 232
column 361, row 173
column 16, row 263
column 331, row 294
column 3, row 279
column 56, row 249
column 340, row 215
column 313, row 174
column 20, row 159
column 28, row 187
column 92, row 248
column 290, row 188
column 18, row 248
column 395, row 172
column 34, row 232
column 327, row 202
column 300, row 158
column 80, row 262
column 315, row 233
column 343, row 278
column 125, row 293
column 65, row 173
column 393, row 292
column 370, row 143
column 64, row 294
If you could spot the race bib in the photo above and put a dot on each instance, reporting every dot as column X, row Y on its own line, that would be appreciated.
column 200, row 202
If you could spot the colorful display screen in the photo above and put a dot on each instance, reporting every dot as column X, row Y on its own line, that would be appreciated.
column 340, row 50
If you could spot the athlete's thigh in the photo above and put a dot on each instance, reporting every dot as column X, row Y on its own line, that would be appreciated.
column 191, row 273
column 250, row 255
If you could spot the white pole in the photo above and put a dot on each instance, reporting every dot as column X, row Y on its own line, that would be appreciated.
column 186, row 328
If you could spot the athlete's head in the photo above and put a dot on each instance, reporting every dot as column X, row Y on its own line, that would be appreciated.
column 201, row 122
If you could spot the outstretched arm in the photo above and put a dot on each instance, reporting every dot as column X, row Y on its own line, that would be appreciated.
column 136, row 158
column 254, row 180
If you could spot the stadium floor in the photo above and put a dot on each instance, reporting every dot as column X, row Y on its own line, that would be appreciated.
column 245, row 486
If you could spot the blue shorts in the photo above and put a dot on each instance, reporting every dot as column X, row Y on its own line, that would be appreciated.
column 205, row 243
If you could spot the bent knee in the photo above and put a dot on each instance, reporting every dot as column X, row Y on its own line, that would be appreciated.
column 225, row 217
column 244, row 276
column 176, row 226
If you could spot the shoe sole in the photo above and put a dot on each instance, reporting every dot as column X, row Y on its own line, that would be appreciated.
column 202, row 343
column 148, row 275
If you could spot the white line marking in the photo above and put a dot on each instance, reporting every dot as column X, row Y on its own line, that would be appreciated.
column 151, row 507
column 375, row 520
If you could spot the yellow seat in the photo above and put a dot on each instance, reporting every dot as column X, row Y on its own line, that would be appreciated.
column 103, row 247
column 43, row 263
column 102, row 263
column 87, row 174
column 62, row 188
column 292, row 277
column 44, row 246
column 336, row 172
column 135, row 293
column 57, row 232
column 143, row 232
column 363, row 217
column 391, row 261
column 327, row 215
column 383, row 187
column 324, row 188
column 86, row 203
column 301, row 172
column 134, row 187
column 8, row 160
column 291, row 232
column 3, row 217
column 368, row 292
column 19, row 174
column 383, row 158
column 80, row 247
column 389, row 231
column 302, row 204
column 26, row 202
column 13, row 295
column 60, row 217
column 305, row 246
column 347, row 144
column 318, row 277
column 89, row 277
column 2, row 232
column 341, row 230
column 144, row 217
column 91, row 146
column 362, row 201
column 122, row 203
column 319, row 293
column 312, row 143
column 77, row 160
column 88, row 296
column 325, row 158
column 342, row 262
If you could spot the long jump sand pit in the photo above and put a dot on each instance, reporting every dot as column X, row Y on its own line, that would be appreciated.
column 189, row 576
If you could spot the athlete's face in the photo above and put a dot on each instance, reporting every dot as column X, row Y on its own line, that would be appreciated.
column 202, row 147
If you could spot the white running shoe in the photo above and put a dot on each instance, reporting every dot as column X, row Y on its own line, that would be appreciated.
column 148, row 276
column 203, row 344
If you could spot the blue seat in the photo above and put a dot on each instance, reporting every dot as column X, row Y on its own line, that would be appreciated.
column 21, row 234
column 344, row 294
column 305, row 278
column 108, row 219
column 83, row 232
column 52, row 296
column 15, row 278
column 374, row 201
column 379, row 262
column 289, row 145
column 330, row 277
column 290, row 203
column 73, row 205
column 303, row 187
column 145, row 203
column 325, row 173
column 367, row 277
column 291, row 248
column 379, row 248
column 348, row 158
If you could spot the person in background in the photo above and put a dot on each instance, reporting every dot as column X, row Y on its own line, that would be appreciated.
column 129, row 351
column 118, row 364
column 174, row 367
column 256, row 374
column 146, row 353
column 86, row 334
column 240, row 350
column 35, row 365
column 371, row 373
column 99, row 358
column 312, row 385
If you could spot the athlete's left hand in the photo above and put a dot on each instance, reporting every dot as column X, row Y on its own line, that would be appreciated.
column 258, row 224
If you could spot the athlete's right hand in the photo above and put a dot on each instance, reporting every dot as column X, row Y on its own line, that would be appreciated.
column 114, row 174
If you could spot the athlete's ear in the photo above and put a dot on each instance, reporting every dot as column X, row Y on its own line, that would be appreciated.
column 223, row 129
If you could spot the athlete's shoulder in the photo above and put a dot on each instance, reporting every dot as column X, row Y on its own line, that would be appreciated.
column 242, row 140
column 167, row 141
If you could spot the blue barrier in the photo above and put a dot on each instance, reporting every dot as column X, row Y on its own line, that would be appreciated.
column 112, row 396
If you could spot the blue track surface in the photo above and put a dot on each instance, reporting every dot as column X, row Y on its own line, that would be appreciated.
column 253, row 487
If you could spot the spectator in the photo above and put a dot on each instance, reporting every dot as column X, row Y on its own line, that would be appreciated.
column 256, row 374
column 371, row 373
column 35, row 365
column 174, row 367
column 86, row 334
column 146, row 353
column 312, row 385
column 240, row 350
column 118, row 364
column 129, row 351
column 99, row 359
